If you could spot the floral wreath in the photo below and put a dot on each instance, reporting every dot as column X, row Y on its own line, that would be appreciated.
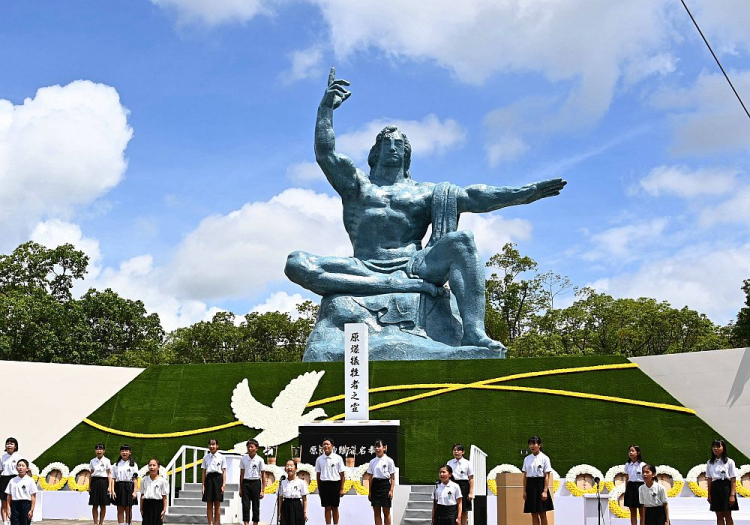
column 573, row 473
column 499, row 469
column 34, row 471
column 609, row 477
column 306, row 467
column 555, row 481
column 692, row 480
column 614, row 502
column 357, row 476
column 678, row 482
column 72, row 481
column 64, row 471
column 277, row 473
column 741, row 490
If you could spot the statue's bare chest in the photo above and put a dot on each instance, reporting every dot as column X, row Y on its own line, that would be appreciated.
column 412, row 201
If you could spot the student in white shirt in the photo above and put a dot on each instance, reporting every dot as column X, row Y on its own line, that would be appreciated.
column 293, row 497
column 21, row 495
column 8, row 461
column 653, row 499
column 463, row 475
column 634, row 480
column 330, row 473
column 99, row 484
column 382, row 474
column 214, row 481
column 537, row 479
column 154, row 490
column 252, row 482
column 124, row 474
column 446, row 499
column 721, row 475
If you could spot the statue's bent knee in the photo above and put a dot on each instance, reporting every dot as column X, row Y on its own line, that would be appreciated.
column 462, row 241
column 296, row 267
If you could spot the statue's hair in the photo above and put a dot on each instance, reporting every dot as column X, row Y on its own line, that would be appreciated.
column 374, row 156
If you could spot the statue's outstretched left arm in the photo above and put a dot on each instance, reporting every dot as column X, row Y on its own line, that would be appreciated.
column 480, row 198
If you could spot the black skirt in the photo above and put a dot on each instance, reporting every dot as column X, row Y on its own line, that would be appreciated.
column 292, row 512
column 152, row 509
column 446, row 514
column 330, row 493
column 212, row 489
column 534, row 503
column 465, row 502
column 124, row 494
column 631, row 495
column 655, row 515
column 98, row 488
column 379, row 490
column 4, row 480
column 720, row 491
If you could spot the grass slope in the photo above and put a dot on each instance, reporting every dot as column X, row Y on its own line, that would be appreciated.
column 183, row 397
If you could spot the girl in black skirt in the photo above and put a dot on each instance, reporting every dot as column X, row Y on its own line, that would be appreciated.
column 382, row 474
column 154, row 490
column 124, row 474
column 447, row 499
column 293, row 501
column 653, row 498
column 9, row 471
column 99, row 484
column 634, row 475
column 721, row 475
column 214, row 481
column 536, row 482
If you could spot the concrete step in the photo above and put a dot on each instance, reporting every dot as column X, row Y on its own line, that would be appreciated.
column 418, row 496
column 421, row 514
column 419, row 505
column 170, row 518
column 415, row 521
column 422, row 489
column 179, row 510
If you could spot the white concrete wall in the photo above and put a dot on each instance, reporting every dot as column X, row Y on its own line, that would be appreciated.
column 42, row 402
column 716, row 384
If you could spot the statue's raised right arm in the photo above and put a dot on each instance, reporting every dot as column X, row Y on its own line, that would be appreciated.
column 339, row 169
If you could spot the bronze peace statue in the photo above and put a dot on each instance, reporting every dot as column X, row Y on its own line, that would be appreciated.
column 392, row 282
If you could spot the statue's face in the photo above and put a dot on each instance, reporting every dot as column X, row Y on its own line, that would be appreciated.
column 392, row 150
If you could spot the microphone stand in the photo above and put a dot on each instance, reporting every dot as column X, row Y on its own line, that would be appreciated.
column 277, row 505
column 598, row 502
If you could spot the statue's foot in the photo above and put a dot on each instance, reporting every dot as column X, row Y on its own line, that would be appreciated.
column 482, row 341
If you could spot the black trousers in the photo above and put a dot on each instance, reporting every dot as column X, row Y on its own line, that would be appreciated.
column 251, row 498
column 19, row 512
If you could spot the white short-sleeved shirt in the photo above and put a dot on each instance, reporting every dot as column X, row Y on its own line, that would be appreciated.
column 293, row 488
column 100, row 467
column 447, row 493
column 653, row 496
column 253, row 467
column 122, row 471
column 536, row 466
column 154, row 488
column 381, row 468
column 214, row 463
column 9, row 464
column 634, row 470
column 720, row 470
column 461, row 469
column 330, row 467
column 21, row 488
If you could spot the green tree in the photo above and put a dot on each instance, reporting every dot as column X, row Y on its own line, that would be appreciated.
column 741, row 328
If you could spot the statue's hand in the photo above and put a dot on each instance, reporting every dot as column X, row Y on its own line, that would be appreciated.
column 546, row 188
column 336, row 92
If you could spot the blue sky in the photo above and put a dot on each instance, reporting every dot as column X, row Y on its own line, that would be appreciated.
column 172, row 139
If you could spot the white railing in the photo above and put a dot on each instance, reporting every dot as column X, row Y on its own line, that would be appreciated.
column 178, row 466
column 478, row 458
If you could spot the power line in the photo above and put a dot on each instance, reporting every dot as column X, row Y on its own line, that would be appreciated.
column 715, row 58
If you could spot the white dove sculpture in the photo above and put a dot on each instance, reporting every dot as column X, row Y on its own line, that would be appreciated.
column 280, row 421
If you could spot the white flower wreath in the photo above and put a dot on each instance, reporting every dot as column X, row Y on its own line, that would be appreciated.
column 277, row 472
column 578, row 470
column 499, row 469
column 34, row 471
column 614, row 502
column 306, row 467
column 678, row 482
column 143, row 471
column 692, row 480
column 609, row 477
column 741, row 490
column 72, row 479
column 56, row 465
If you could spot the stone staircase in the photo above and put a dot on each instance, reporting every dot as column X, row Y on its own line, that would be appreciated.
column 419, row 507
column 188, row 507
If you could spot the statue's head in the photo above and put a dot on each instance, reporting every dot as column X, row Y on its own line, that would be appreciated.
column 391, row 135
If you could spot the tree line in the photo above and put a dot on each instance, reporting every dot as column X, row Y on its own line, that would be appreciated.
column 41, row 320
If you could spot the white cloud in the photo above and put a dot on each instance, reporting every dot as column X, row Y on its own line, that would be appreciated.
column 426, row 136
column 305, row 173
column 505, row 148
column 306, row 63
column 703, row 277
column 492, row 232
column 724, row 23
column 638, row 69
column 239, row 254
column 732, row 211
column 59, row 151
column 620, row 242
column 707, row 117
column 280, row 302
column 214, row 12
column 686, row 183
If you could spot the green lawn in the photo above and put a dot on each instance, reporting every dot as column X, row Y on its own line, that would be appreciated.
column 184, row 397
